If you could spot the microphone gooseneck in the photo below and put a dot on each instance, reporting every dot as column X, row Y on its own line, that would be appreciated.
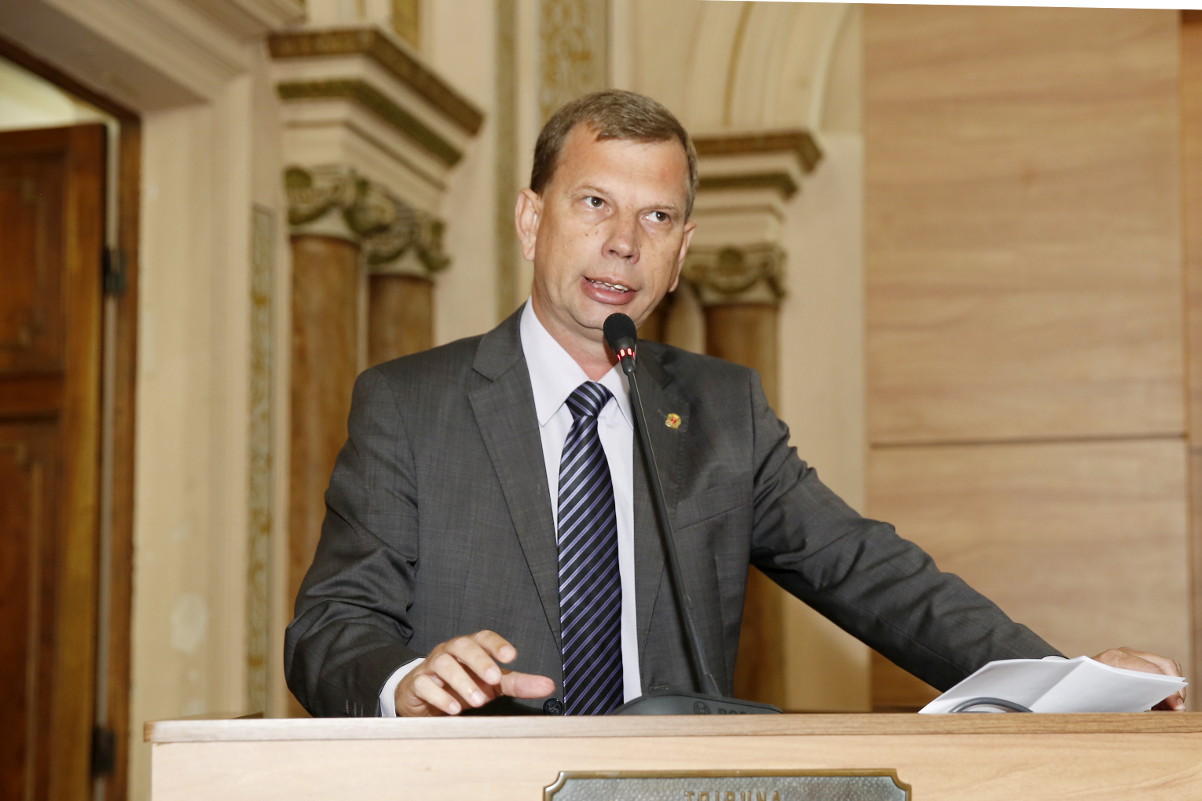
column 622, row 337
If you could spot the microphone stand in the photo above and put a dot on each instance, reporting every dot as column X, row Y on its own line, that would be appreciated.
column 621, row 334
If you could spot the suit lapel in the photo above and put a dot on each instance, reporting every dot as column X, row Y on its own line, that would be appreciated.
column 504, row 410
column 660, row 399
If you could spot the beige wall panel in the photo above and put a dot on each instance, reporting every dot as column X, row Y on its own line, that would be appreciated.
column 1191, row 138
column 1191, row 141
column 1023, row 234
column 1083, row 542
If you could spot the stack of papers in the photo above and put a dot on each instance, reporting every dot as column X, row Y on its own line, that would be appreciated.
column 1060, row 685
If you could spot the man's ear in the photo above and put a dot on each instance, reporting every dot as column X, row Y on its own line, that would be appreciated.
column 525, row 220
column 684, row 251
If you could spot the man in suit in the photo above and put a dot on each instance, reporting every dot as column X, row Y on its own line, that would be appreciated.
column 436, row 584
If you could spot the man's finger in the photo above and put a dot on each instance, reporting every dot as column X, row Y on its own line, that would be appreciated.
column 497, row 646
column 526, row 685
column 425, row 691
column 451, row 670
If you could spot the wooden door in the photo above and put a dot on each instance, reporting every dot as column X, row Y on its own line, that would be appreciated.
column 51, row 241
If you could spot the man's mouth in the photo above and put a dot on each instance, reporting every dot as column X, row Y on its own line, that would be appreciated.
column 607, row 285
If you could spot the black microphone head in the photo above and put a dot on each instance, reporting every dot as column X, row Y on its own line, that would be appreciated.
column 620, row 333
column 623, row 339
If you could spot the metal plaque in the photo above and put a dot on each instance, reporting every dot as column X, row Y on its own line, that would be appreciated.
column 799, row 785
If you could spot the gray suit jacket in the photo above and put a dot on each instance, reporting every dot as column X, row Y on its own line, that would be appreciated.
column 439, row 524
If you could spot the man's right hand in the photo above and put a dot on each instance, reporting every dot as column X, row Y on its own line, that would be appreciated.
column 464, row 672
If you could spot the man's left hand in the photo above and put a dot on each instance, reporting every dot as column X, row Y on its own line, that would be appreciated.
column 1131, row 659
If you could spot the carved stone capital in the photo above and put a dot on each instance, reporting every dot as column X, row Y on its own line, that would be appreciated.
column 392, row 235
column 728, row 275
column 410, row 245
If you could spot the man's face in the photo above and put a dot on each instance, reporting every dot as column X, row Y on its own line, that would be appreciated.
column 607, row 234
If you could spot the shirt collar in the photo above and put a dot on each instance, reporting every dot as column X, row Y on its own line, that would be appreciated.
column 554, row 374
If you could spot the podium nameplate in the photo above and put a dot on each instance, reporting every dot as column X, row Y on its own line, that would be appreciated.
column 799, row 785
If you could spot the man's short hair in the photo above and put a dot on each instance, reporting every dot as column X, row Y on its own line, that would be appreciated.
column 611, row 114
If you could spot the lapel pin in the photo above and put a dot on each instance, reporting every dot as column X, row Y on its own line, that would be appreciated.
column 672, row 421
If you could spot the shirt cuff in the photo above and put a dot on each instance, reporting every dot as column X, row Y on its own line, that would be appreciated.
column 388, row 692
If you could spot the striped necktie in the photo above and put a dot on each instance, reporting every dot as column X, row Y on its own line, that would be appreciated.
column 590, row 589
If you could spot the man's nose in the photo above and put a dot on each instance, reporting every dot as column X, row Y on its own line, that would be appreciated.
column 622, row 239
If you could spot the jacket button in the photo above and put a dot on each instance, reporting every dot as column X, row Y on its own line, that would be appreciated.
column 553, row 706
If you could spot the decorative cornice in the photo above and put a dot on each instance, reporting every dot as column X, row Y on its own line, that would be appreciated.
column 379, row 104
column 774, row 160
column 378, row 46
column 388, row 230
column 799, row 142
column 251, row 19
column 782, row 182
column 737, row 275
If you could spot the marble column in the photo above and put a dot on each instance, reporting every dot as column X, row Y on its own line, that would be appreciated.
column 740, row 290
column 327, row 216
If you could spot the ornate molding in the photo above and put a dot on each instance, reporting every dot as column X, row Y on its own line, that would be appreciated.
column 775, row 160
column 747, row 180
column 261, row 457
column 406, row 21
column 393, row 235
column 505, row 169
column 359, row 97
column 573, row 39
column 725, row 275
column 379, row 104
column 248, row 19
column 411, row 244
column 378, row 47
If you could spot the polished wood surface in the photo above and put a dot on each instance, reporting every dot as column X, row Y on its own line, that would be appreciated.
column 1191, row 156
column 961, row 757
column 1023, row 235
column 51, row 234
column 1027, row 373
column 1085, row 542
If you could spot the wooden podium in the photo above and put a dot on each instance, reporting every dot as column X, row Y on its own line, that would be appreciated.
column 954, row 757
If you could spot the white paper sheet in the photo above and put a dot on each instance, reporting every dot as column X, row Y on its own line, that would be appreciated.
column 1061, row 685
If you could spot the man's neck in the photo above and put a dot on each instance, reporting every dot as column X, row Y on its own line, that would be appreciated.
column 594, row 358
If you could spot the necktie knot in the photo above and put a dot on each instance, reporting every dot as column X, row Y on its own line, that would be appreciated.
column 588, row 399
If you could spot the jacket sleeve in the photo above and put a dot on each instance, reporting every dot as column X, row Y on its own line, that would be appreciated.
column 350, row 630
column 860, row 574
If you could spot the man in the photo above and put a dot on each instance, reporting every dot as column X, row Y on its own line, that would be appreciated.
column 440, row 584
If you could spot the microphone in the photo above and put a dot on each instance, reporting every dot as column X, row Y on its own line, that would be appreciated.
column 623, row 340
column 622, row 337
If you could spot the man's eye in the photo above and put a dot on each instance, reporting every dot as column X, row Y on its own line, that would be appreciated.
column 594, row 202
column 660, row 216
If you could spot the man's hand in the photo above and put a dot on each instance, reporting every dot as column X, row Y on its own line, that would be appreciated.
column 1131, row 659
column 464, row 672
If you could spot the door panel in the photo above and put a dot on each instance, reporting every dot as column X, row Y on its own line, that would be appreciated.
column 51, row 239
